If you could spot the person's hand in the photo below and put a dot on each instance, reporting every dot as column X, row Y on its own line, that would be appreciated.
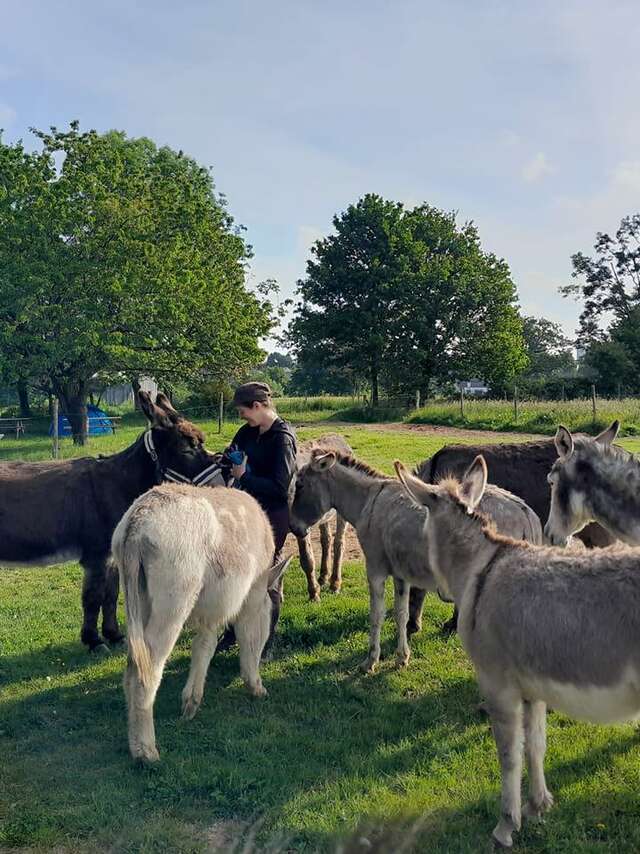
column 238, row 471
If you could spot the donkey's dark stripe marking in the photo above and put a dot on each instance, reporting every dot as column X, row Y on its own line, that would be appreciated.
column 480, row 582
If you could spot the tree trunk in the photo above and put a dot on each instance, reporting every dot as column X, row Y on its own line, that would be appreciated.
column 23, row 396
column 73, row 400
column 375, row 397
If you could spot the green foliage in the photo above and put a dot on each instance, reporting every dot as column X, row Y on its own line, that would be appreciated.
column 122, row 259
column 407, row 298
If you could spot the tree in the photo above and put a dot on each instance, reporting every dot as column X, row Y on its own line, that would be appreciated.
column 609, row 283
column 548, row 349
column 409, row 298
column 122, row 258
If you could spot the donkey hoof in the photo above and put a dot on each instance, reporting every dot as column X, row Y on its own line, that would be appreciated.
column 368, row 666
column 497, row 845
column 101, row 650
column 315, row 597
column 189, row 708
column 413, row 628
column 258, row 691
column 402, row 661
column 335, row 589
column 535, row 810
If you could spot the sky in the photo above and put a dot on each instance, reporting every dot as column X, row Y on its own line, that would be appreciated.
column 517, row 115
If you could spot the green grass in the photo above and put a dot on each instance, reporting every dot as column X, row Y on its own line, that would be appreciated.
column 329, row 755
column 533, row 416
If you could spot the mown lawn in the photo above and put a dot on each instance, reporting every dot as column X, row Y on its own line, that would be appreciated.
column 329, row 755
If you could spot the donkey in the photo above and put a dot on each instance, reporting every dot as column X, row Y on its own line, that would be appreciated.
column 540, row 624
column 307, row 562
column 521, row 468
column 57, row 511
column 389, row 528
column 593, row 479
column 202, row 554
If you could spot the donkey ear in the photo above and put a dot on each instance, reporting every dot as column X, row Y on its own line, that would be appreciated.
column 276, row 573
column 417, row 489
column 164, row 403
column 564, row 442
column 608, row 436
column 474, row 482
column 323, row 462
column 156, row 417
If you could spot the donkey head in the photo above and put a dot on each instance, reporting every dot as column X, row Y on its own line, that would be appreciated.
column 312, row 494
column 448, row 506
column 178, row 444
column 573, row 480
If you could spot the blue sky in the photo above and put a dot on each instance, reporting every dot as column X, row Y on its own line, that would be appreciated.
column 518, row 115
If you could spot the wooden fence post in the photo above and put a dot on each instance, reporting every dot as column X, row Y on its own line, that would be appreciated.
column 462, row 403
column 220, row 412
column 56, row 444
column 593, row 404
column 515, row 403
column 418, row 398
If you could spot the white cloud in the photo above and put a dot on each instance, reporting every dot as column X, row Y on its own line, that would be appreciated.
column 7, row 115
column 536, row 168
column 627, row 174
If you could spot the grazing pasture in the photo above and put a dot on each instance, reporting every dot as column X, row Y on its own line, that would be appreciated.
column 330, row 755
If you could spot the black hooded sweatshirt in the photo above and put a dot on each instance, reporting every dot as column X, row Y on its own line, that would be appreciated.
column 272, row 459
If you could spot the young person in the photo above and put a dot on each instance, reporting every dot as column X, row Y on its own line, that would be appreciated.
column 267, row 446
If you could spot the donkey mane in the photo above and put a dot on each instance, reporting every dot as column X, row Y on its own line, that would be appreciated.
column 452, row 487
column 351, row 462
column 190, row 430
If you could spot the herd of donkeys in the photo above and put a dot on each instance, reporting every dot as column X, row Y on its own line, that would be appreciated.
column 548, row 618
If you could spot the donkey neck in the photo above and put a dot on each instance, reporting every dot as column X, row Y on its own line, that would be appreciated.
column 132, row 468
column 466, row 554
column 351, row 489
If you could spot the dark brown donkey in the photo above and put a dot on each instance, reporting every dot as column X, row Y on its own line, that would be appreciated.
column 520, row 467
column 53, row 512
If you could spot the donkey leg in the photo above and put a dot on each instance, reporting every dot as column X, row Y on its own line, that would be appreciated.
column 401, row 613
column 202, row 649
column 161, row 634
column 451, row 626
column 93, row 591
column 325, row 543
column 252, row 627
column 376, row 617
column 110, row 627
column 338, row 550
column 308, row 565
column 506, row 713
column 535, row 739
column 416, row 602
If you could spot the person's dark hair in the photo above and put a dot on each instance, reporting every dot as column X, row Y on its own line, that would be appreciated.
column 250, row 393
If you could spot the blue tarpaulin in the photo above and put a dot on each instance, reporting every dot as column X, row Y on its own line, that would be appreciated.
column 98, row 422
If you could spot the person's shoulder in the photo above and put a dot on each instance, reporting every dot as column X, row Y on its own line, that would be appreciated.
column 243, row 433
column 284, row 427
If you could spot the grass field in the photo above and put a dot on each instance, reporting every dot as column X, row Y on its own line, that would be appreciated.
column 533, row 416
column 329, row 755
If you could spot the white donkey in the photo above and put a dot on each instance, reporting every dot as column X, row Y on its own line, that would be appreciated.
column 196, row 553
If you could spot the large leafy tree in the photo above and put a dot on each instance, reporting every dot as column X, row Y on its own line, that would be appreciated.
column 408, row 298
column 548, row 349
column 116, row 255
column 607, row 284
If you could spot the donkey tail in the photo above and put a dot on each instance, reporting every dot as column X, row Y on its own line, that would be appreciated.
column 127, row 554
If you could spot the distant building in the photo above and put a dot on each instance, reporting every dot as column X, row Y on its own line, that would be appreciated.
column 473, row 388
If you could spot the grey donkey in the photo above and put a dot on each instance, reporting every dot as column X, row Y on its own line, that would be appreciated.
column 389, row 527
column 541, row 626
column 191, row 553
column 593, row 480
column 328, row 442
